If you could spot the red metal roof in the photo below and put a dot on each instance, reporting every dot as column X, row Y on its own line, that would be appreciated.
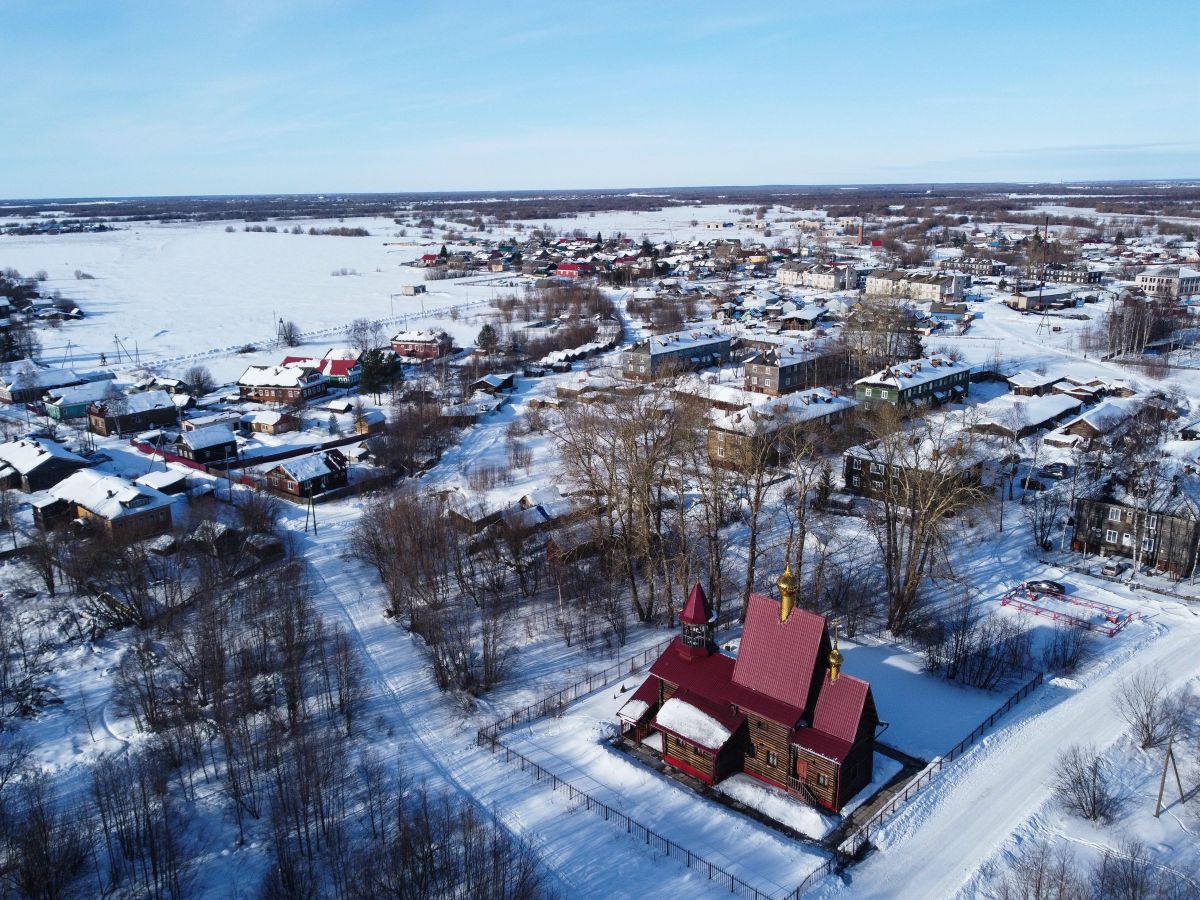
column 708, row 675
column 696, row 610
column 822, row 744
column 778, row 658
column 840, row 706
column 648, row 694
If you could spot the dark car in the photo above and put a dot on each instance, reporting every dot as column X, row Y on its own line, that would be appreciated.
column 1054, row 470
column 1044, row 586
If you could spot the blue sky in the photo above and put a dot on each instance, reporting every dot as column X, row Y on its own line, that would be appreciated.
column 264, row 96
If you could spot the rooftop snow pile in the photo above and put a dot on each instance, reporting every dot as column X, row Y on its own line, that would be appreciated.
column 777, row 805
column 26, row 455
column 107, row 496
column 688, row 722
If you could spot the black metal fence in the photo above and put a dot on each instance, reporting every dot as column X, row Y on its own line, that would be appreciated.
column 553, row 704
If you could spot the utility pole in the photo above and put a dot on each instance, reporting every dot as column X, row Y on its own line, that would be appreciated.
column 1162, row 782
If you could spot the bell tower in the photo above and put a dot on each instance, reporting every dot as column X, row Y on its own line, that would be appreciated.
column 696, row 623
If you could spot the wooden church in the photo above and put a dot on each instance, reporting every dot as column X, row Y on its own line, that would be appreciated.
column 780, row 711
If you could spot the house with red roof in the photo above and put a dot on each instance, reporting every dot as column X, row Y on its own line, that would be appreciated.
column 574, row 270
column 341, row 365
column 780, row 711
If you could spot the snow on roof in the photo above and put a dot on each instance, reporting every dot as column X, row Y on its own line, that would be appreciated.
column 769, row 413
column 25, row 374
column 274, row 376
column 160, row 479
column 210, row 436
column 416, row 337
column 264, row 417
column 1008, row 410
column 679, row 340
column 89, row 392
column 1109, row 413
column 306, row 468
column 137, row 403
column 690, row 723
column 108, row 496
column 1028, row 379
column 27, row 454
column 914, row 372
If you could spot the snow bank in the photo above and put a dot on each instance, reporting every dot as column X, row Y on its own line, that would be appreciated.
column 690, row 723
column 772, row 802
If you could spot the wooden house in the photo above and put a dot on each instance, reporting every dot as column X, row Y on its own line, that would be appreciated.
column 127, row 413
column 34, row 464
column 269, row 422
column 213, row 444
column 780, row 711
column 290, row 385
column 307, row 476
column 126, row 511
column 422, row 344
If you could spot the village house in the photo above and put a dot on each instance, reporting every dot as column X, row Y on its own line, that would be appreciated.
column 285, row 385
column 131, row 412
column 670, row 353
column 978, row 266
column 1105, row 418
column 1031, row 384
column 917, row 286
column 35, row 464
column 125, row 511
column 213, row 444
column 1171, row 282
column 756, row 435
column 1066, row 274
column 792, row 367
column 310, row 475
column 920, row 382
column 870, row 471
column 1161, row 531
column 268, row 422
column 24, row 381
column 1014, row 416
column 781, row 711
column 64, row 403
column 422, row 344
column 822, row 276
column 341, row 365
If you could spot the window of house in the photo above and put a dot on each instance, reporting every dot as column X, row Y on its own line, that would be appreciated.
column 855, row 465
column 1127, row 539
column 876, row 468
column 1148, row 543
column 1110, row 536
column 1114, row 515
column 823, row 780
column 868, row 392
column 854, row 480
column 1152, row 523
column 883, row 394
column 771, row 760
column 720, row 451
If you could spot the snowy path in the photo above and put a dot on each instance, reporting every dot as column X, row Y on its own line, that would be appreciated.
column 940, row 842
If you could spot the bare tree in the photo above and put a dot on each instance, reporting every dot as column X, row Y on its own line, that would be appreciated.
column 1154, row 713
column 199, row 379
column 1082, row 782
column 289, row 333
column 1042, row 514
column 1042, row 871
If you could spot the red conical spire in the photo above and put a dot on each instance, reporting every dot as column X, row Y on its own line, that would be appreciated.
column 696, row 610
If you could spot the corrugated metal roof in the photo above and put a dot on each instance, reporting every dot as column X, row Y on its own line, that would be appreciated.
column 839, row 706
column 777, row 658
column 696, row 610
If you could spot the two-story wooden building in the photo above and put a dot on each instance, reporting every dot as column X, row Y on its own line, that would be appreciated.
column 668, row 353
column 422, row 344
column 285, row 385
column 919, row 382
column 793, row 367
column 780, row 711
column 310, row 475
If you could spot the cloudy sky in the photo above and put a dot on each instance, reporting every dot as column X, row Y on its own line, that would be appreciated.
column 265, row 96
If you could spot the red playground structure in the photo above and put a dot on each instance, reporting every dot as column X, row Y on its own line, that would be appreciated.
column 1068, row 608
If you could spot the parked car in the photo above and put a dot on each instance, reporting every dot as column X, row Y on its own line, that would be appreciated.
column 1054, row 470
column 1114, row 567
column 1045, row 586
